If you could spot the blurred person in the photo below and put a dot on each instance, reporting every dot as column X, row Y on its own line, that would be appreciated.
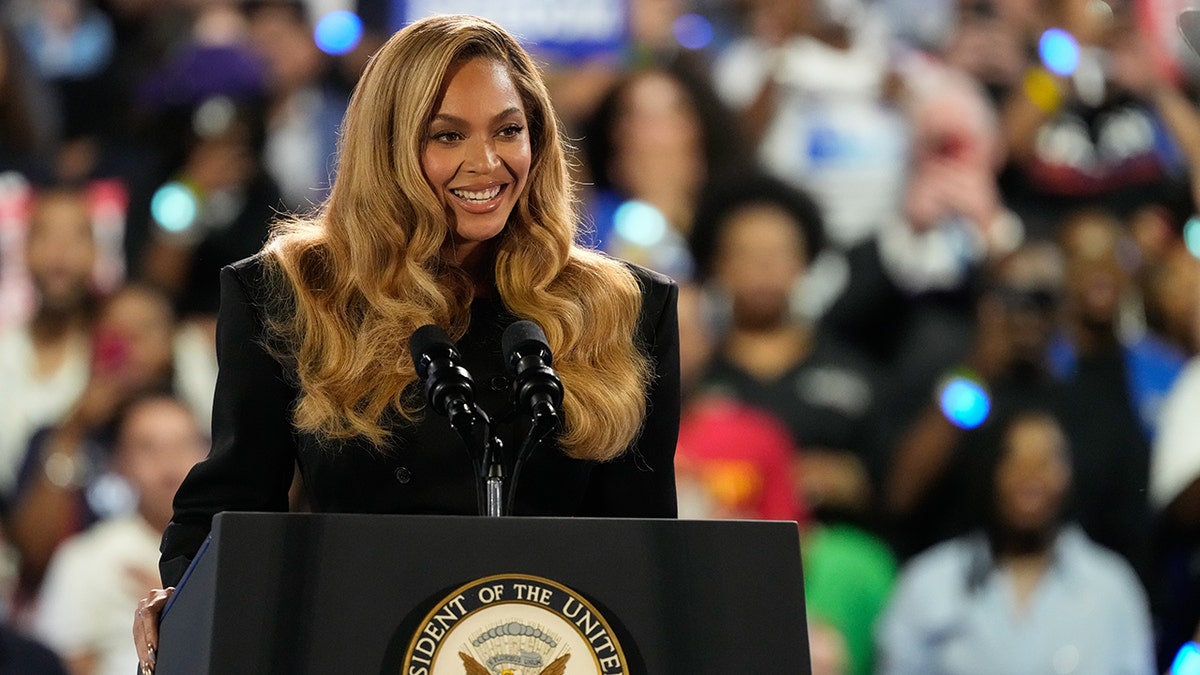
column 653, row 143
column 1100, row 260
column 1028, row 592
column 146, row 34
column 813, row 86
column 1015, row 317
column 753, row 244
column 20, row 655
column 96, row 577
column 44, row 362
column 910, row 289
column 929, row 484
column 826, row 649
column 68, row 39
column 71, row 44
column 1170, row 286
column 1175, row 493
column 731, row 460
column 849, row 575
column 211, row 198
column 222, row 178
column 65, row 482
column 737, row 461
column 29, row 119
column 305, row 105
column 578, row 85
column 987, row 40
column 1110, row 131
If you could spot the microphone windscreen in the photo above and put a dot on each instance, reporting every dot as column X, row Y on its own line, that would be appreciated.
column 521, row 335
column 425, row 339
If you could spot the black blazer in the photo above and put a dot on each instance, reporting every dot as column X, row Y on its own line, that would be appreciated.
column 424, row 469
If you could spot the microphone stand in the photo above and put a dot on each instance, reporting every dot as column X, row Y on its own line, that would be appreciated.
column 544, row 425
column 492, row 475
column 474, row 427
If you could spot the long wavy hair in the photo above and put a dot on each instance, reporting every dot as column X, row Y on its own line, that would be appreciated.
column 375, row 261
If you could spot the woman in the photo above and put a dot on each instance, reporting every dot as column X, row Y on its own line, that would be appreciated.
column 658, row 138
column 1028, row 591
column 463, row 221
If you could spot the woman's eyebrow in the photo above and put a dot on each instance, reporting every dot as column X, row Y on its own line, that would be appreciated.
column 454, row 119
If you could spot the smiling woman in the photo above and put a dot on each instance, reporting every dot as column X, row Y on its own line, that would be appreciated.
column 477, row 156
column 452, row 206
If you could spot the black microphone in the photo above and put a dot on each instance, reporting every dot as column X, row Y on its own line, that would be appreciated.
column 536, row 387
column 448, row 386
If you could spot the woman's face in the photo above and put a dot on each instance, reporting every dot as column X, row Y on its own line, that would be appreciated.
column 1034, row 475
column 477, row 152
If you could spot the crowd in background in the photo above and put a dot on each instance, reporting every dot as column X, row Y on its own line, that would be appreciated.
column 940, row 297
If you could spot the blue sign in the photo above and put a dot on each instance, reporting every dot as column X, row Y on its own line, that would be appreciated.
column 565, row 30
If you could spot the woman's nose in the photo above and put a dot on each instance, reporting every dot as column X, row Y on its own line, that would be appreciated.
column 481, row 156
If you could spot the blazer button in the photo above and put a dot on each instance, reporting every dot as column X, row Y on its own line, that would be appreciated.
column 403, row 475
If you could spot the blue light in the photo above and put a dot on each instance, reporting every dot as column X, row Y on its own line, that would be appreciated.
column 338, row 32
column 1191, row 235
column 693, row 31
column 174, row 207
column 1059, row 51
column 964, row 402
column 640, row 223
column 1187, row 661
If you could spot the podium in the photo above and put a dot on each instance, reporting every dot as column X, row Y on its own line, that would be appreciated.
column 339, row 593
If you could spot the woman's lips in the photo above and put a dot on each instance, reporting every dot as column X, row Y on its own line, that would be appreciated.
column 481, row 200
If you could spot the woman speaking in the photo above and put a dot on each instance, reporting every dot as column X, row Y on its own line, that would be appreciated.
column 452, row 206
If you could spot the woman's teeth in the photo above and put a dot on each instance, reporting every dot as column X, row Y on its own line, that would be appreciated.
column 482, row 196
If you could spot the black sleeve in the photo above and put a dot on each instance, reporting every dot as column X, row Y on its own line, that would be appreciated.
column 251, row 463
column 641, row 482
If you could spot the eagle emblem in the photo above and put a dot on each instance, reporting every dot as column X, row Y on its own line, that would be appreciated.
column 515, row 648
column 557, row 667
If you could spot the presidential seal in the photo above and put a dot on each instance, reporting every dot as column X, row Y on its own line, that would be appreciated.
column 514, row 624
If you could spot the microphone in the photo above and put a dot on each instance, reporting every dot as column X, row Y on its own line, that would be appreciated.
column 448, row 386
column 536, row 387
column 451, row 392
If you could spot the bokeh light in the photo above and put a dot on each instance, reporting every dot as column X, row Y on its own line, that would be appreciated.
column 693, row 31
column 964, row 402
column 1187, row 661
column 640, row 223
column 174, row 207
column 1059, row 51
column 1191, row 235
column 338, row 32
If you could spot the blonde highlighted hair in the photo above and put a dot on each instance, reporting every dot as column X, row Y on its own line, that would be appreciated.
column 375, row 262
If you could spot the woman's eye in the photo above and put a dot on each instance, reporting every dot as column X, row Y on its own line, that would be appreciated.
column 447, row 136
column 512, row 130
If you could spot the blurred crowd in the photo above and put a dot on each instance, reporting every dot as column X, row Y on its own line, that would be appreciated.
column 940, row 297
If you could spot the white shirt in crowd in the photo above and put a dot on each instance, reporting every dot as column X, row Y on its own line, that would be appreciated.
column 88, row 597
column 29, row 402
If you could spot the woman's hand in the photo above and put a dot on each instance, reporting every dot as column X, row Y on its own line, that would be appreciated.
column 145, row 627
